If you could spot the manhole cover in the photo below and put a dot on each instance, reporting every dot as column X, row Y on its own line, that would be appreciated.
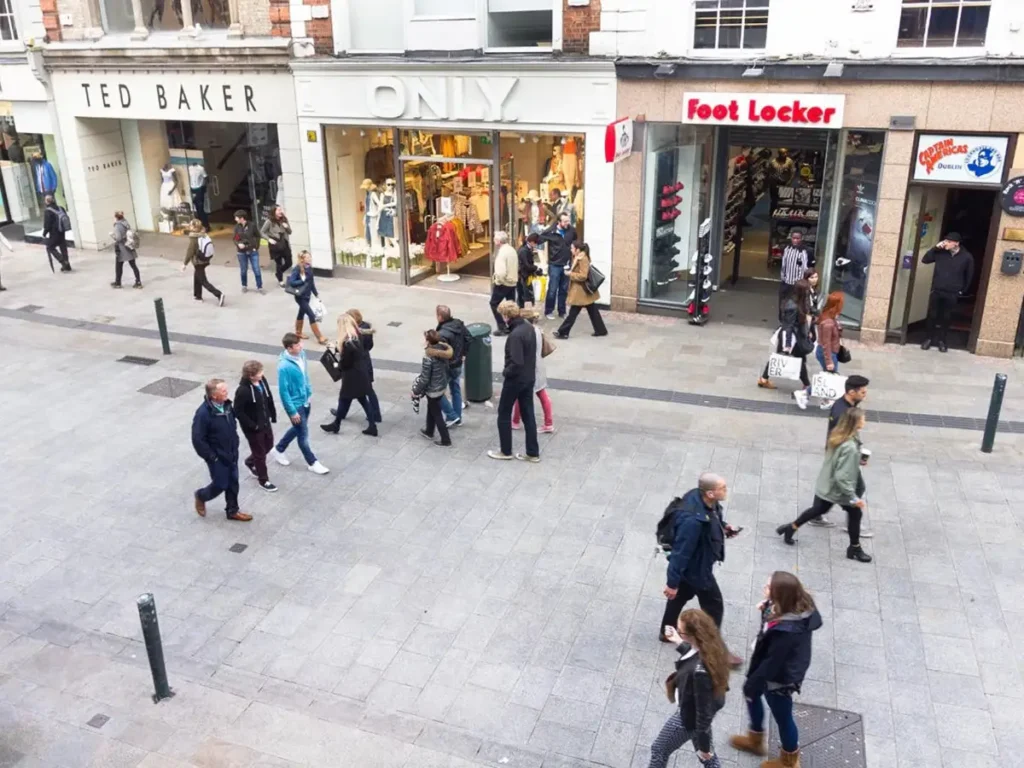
column 169, row 386
column 238, row 548
column 829, row 738
column 98, row 720
column 134, row 360
column 29, row 308
column 394, row 324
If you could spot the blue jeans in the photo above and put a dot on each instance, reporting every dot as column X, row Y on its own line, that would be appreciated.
column 453, row 410
column 781, row 706
column 246, row 258
column 558, row 285
column 298, row 432
column 820, row 354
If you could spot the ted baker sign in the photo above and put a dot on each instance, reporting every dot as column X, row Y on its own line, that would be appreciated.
column 774, row 110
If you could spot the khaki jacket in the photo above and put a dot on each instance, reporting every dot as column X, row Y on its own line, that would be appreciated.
column 578, row 296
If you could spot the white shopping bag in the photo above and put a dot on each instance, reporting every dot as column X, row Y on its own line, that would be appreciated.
column 783, row 367
column 828, row 386
column 319, row 310
column 773, row 342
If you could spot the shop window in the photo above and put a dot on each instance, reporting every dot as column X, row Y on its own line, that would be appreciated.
column 377, row 25
column 727, row 24
column 8, row 24
column 29, row 170
column 519, row 23
column 943, row 23
column 163, row 15
column 462, row 9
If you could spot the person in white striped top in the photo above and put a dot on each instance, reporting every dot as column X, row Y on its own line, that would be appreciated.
column 795, row 260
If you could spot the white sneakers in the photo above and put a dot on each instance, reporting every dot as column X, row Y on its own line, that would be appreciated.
column 279, row 457
column 318, row 469
column 801, row 399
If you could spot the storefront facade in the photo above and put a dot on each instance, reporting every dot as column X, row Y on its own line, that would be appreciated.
column 396, row 154
column 834, row 161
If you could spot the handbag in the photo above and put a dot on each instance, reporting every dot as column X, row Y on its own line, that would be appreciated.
column 827, row 385
column 783, row 366
column 332, row 362
column 595, row 279
column 547, row 346
column 844, row 355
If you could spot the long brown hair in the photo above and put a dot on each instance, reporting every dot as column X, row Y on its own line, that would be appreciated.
column 788, row 594
column 802, row 296
column 833, row 306
column 701, row 629
column 849, row 425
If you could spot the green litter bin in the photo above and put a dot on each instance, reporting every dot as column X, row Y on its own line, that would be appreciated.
column 479, row 381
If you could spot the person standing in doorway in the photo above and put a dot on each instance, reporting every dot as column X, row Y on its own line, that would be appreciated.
column 579, row 298
column 295, row 392
column 781, row 169
column 698, row 542
column 254, row 407
column 795, row 262
column 276, row 231
column 247, row 242
column 954, row 268
column 455, row 334
column 506, row 276
column 199, row 253
column 559, row 236
column 215, row 439
column 55, row 225
column 125, row 245
column 519, row 374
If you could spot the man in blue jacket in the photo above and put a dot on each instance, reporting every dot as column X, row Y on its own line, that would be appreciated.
column 215, row 439
column 698, row 544
column 295, row 393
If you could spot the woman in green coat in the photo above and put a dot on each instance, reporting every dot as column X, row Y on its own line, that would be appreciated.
column 839, row 482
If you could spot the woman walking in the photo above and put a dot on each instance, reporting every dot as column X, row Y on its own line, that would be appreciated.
column 199, row 253
column 276, row 231
column 355, row 378
column 795, row 337
column 578, row 298
column 255, row 411
column 303, row 287
column 782, row 654
column 830, row 333
column 432, row 382
column 699, row 685
column 839, row 482
column 540, row 385
column 366, row 333
column 125, row 244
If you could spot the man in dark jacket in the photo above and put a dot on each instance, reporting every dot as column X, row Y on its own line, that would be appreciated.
column 954, row 268
column 519, row 374
column 698, row 544
column 56, row 238
column 247, row 241
column 254, row 408
column 559, row 237
column 215, row 439
column 453, row 333
column 527, row 269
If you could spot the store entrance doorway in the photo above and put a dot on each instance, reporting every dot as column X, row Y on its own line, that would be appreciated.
column 932, row 213
column 775, row 182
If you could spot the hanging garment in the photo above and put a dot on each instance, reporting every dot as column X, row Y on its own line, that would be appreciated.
column 461, row 238
column 46, row 178
column 379, row 164
column 465, row 211
column 170, row 197
column 441, row 245
column 570, row 164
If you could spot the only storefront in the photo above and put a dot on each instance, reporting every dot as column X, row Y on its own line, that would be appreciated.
column 421, row 169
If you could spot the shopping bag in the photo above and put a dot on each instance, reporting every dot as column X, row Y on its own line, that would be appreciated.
column 773, row 342
column 540, row 287
column 319, row 310
column 783, row 367
column 828, row 386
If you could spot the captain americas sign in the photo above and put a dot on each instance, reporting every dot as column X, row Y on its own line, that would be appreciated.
column 952, row 159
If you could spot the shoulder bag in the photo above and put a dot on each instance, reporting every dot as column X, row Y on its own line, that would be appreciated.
column 547, row 346
column 595, row 278
column 331, row 361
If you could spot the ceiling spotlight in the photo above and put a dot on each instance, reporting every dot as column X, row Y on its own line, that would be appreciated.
column 344, row 132
column 536, row 139
column 753, row 71
column 362, row 133
column 563, row 140
column 522, row 139
column 834, row 69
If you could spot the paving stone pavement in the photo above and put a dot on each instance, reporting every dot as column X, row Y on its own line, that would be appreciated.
column 422, row 607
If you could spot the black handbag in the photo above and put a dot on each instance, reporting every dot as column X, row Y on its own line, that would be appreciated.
column 332, row 362
column 844, row 355
column 595, row 278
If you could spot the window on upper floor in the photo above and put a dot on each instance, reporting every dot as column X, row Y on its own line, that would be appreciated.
column 453, row 8
column 8, row 24
column 162, row 15
column 943, row 23
column 730, row 24
column 520, row 23
column 376, row 25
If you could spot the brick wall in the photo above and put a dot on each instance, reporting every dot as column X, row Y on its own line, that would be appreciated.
column 51, row 19
column 311, row 19
column 280, row 18
column 577, row 23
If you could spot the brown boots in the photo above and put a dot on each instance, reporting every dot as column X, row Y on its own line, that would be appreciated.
column 314, row 327
column 298, row 329
column 784, row 760
column 753, row 743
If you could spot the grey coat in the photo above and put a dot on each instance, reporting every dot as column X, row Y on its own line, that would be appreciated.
column 120, row 234
column 276, row 230
column 433, row 378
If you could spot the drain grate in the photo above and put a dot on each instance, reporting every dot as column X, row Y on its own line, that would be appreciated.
column 135, row 360
column 829, row 738
column 169, row 386
column 236, row 548
column 98, row 720
column 29, row 308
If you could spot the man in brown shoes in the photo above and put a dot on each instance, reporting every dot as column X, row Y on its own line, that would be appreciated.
column 215, row 439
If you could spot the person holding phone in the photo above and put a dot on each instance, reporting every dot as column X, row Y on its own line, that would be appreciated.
column 954, row 269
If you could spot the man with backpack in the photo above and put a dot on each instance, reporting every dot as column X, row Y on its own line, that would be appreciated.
column 200, row 253
column 56, row 225
column 693, row 533
column 455, row 334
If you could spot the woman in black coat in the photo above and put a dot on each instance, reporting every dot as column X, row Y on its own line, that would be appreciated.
column 355, row 376
column 255, row 412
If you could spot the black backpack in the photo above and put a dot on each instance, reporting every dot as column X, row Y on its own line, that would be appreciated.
column 666, row 530
column 460, row 343
column 64, row 221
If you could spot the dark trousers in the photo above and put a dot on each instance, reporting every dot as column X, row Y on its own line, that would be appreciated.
column 821, row 506
column 59, row 251
column 781, row 705
column 199, row 206
column 595, row 320
column 558, row 289
column 500, row 293
column 260, row 444
column 200, row 281
column 223, row 479
column 940, row 313
column 524, row 293
column 281, row 255
column 785, row 291
column 710, row 600
column 119, row 271
column 436, row 419
column 511, row 393
column 372, row 413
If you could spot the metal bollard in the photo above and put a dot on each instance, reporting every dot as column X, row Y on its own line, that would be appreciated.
column 154, row 647
column 161, row 322
column 994, row 406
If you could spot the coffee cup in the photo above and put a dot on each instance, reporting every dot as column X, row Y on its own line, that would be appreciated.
column 865, row 454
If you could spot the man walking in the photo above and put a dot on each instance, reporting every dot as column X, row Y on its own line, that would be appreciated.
column 698, row 542
column 519, row 374
column 795, row 261
column 215, row 439
column 954, row 268
column 295, row 391
column 453, row 333
column 254, row 407
column 506, row 276
column 55, row 226
column 559, row 237
column 247, row 241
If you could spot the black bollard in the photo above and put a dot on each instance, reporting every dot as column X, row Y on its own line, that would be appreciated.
column 154, row 647
column 994, row 406
column 161, row 322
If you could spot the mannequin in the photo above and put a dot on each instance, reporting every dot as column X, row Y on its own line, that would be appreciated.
column 388, row 207
column 197, row 180
column 371, row 209
column 170, row 197
column 45, row 176
column 554, row 167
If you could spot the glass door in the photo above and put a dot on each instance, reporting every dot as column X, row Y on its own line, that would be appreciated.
column 825, row 210
column 922, row 227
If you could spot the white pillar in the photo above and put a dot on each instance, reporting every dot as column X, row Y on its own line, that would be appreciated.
column 235, row 29
column 140, row 32
column 188, row 27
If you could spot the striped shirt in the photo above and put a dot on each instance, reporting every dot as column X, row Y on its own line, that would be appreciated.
column 794, row 263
